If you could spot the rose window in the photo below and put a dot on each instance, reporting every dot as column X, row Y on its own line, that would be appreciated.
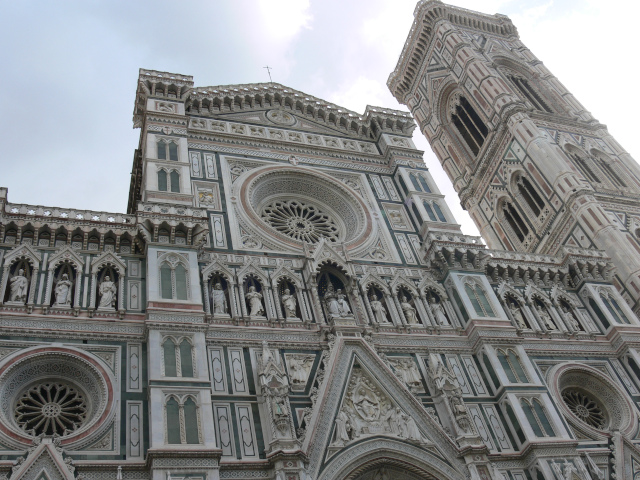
column 51, row 409
column 585, row 408
column 300, row 221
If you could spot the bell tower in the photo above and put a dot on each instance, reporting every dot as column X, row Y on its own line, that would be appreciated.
column 535, row 170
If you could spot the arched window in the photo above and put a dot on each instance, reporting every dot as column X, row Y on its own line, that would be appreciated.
column 125, row 246
column 175, row 181
column 584, row 165
column 427, row 207
column 181, row 237
column 174, row 282
column 191, row 422
column 513, row 368
column 169, row 350
column 61, row 239
column 27, row 237
column 425, row 185
column 94, row 243
column 469, row 125
column 10, row 236
column 516, row 424
column 537, row 417
column 522, row 84
column 607, row 166
column 439, row 213
column 479, row 299
column 110, row 244
column 518, row 226
column 173, row 422
column 415, row 182
column 162, row 180
column 44, row 239
column 77, row 241
column 530, row 195
column 613, row 307
column 171, row 147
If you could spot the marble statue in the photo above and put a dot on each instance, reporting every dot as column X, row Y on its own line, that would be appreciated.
column 18, row 286
column 409, row 428
column 255, row 302
column 300, row 368
column 289, row 303
column 63, row 291
column 438, row 313
column 517, row 315
column 409, row 311
column 407, row 371
column 570, row 317
column 336, row 302
column 107, row 291
column 545, row 317
column 219, row 300
column 342, row 428
column 379, row 312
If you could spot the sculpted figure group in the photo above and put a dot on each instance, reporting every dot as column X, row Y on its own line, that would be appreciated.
column 336, row 302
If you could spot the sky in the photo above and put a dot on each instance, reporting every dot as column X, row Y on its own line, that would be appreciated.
column 70, row 69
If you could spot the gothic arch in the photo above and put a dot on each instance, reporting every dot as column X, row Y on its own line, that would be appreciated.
column 21, row 253
column 69, row 256
column 355, row 461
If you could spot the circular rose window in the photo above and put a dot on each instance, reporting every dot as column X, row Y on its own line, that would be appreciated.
column 55, row 391
column 585, row 407
column 300, row 221
column 51, row 409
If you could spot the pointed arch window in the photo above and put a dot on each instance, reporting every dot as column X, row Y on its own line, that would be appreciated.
column 439, row 213
column 424, row 184
column 427, row 207
column 162, row 181
column 415, row 182
column 525, row 88
column 537, row 417
column 167, row 147
column 512, row 366
column 174, row 281
column 469, row 124
column 479, row 300
column 608, row 167
column 515, row 221
column 585, row 166
column 614, row 308
column 530, row 195
column 175, row 181
column 178, row 358
column 182, row 421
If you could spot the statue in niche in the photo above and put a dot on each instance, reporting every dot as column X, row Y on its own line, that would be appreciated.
column 107, row 291
column 63, row 292
column 408, row 310
column 219, row 300
column 336, row 302
column 18, row 285
column 570, row 317
column 437, row 310
column 379, row 312
column 545, row 317
column 516, row 313
column 407, row 371
column 289, row 303
column 343, row 427
column 255, row 302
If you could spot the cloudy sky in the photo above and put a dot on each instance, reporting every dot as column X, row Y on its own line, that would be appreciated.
column 70, row 70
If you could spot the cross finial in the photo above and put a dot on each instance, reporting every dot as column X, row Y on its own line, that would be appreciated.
column 269, row 72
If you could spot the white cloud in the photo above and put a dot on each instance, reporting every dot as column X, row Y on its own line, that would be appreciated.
column 282, row 20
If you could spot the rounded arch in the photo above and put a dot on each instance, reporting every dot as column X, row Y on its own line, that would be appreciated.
column 356, row 461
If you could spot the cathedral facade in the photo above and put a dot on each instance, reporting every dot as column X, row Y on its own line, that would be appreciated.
column 289, row 297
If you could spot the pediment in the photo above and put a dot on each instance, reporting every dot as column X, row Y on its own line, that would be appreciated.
column 108, row 258
column 363, row 392
column 66, row 254
column 373, row 279
column 298, row 122
column 217, row 267
column 43, row 461
column 325, row 253
column 26, row 252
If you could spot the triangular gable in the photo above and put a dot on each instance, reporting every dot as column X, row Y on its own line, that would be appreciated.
column 216, row 267
column 400, row 281
column 43, row 461
column 252, row 270
column 436, row 449
column 325, row 253
column 66, row 254
column 108, row 258
column 504, row 288
column 286, row 272
column 371, row 278
column 531, row 290
column 26, row 252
